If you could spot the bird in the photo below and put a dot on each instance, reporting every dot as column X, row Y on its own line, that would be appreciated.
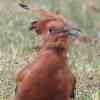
column 49, row 76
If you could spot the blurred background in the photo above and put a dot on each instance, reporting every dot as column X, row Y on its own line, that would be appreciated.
column 16, row 43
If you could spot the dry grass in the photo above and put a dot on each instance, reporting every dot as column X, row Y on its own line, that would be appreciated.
column 16, row 43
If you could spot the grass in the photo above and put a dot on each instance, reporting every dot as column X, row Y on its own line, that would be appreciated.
column 16, row 43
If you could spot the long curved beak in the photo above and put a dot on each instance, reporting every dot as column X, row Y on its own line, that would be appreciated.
column 72, row 31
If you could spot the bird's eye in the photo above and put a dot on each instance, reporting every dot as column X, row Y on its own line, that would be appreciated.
column 50, row 30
